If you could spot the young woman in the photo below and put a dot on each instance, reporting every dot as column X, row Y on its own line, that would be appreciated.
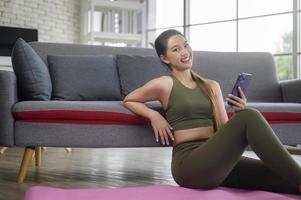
column 207, row 146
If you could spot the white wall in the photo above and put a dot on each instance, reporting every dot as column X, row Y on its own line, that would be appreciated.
column 56, row 20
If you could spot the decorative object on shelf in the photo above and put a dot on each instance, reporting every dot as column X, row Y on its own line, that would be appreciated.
column 112, row 23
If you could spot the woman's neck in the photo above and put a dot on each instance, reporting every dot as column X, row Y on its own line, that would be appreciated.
column 183, row 76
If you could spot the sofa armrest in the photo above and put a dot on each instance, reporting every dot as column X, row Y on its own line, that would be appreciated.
column 8, row 97
column 291, row 90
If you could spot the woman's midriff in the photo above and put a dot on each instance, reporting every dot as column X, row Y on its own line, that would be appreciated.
column 192, row 134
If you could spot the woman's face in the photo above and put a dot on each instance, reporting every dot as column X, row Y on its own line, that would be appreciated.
column 178, row 53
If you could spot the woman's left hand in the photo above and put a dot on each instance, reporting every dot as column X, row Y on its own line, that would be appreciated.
column 237, row 103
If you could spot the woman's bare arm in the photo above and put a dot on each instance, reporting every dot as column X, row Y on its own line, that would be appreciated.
column 220, row 101
column 149, row 92
column 135, row 100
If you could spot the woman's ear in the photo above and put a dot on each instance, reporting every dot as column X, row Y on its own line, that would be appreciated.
column 163, row 59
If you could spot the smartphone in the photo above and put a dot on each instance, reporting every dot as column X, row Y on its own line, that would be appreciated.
column 243, row 81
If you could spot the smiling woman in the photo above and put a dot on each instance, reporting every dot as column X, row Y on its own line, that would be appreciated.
column 207, row 146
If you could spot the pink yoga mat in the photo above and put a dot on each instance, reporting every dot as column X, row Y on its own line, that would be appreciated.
column 153, row 192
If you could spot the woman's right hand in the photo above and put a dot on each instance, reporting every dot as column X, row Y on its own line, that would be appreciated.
column 161, row 128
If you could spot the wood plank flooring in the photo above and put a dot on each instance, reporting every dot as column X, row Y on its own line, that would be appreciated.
column 89, row 168
column 86, row 168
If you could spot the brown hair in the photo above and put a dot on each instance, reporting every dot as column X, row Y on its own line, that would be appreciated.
column 160, row 46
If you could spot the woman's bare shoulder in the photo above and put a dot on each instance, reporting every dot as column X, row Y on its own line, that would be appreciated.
column 165, row 82
column 162, row 80
column 165, row 78
column 155, row 89
column 159, row 84
column 214, row 84
column 162, row 84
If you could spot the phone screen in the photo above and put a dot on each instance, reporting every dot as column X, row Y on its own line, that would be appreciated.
column 243, row 81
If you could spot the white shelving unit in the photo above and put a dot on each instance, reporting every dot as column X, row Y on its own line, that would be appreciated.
column 112, row 22
column 5, row 63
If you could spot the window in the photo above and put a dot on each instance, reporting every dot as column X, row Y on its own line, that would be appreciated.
column 284, row 67
column 169, row 13
column 235, row 25
column 209, row 38
column 299, row 39
column 272, row 34
column 249, row 8
column 213, row 10
column 299, row 62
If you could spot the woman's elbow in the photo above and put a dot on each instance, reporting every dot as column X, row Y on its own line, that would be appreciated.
column 126, row 98
column 124, row 102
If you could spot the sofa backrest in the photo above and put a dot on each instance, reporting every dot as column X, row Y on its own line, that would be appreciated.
column 45, row 49
column 220, row 66
column 224, row 67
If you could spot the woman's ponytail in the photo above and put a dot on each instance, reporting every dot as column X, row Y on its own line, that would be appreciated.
column 205, row 86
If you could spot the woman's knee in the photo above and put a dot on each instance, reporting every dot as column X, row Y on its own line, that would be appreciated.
column 200, row 185
column 250, row 113
column 203, row 182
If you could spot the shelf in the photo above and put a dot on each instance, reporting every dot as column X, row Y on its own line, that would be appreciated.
column 112, row 22
column 5, row 61
column 115, row 37
column 100, row 4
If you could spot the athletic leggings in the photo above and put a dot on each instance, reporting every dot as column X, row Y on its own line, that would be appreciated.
column 218, row 161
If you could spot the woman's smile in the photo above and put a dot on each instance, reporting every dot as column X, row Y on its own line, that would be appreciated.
column 186, row 60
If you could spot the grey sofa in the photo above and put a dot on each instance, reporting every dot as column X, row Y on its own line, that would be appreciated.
column 102, row 121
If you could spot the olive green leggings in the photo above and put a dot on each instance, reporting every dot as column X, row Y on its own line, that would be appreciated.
column 218, row 161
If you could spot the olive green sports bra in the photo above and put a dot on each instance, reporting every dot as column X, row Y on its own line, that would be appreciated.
column 188, row 107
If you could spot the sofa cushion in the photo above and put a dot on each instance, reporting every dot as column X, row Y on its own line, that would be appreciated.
column 84, row 77
column 225, row 66
column 275, row 113
column 135, row 71
column 79, row 112
column 113, row 112
column 83, row 135
column 33, row 78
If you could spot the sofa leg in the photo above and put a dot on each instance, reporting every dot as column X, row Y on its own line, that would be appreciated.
column 27, row 157
column 38, row 156
column 2, row 150
column 294, row 149
column 68, row 149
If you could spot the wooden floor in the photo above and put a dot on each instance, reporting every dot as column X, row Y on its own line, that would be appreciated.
column 89, row 168
column 86, row 168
